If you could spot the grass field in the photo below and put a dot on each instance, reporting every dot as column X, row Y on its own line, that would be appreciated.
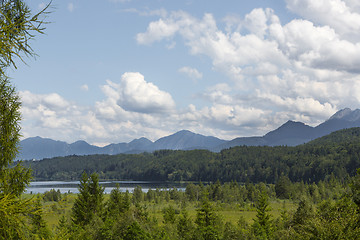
column 53, row 211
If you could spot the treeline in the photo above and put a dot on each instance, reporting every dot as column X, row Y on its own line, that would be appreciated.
column 331, row 211
column 337, row 154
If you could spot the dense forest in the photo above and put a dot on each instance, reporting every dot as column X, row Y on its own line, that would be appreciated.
column 335, row 154
column 286, row 210
column 310, row 191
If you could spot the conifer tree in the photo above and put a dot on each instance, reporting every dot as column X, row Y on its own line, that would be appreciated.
column 262, row 223
column 89, row 201
column 208, row 221
column 17, row 27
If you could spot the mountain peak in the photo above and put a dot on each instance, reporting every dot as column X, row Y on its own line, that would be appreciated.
column 289, row 133
column 341, row 113
column 347, row 114
column 186, row 139
column 141, row 140
column 184, row 132
column 80, row 143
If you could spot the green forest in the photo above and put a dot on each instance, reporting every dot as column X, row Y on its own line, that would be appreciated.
column 336, row 154
column 310, row 191
column 329, row 209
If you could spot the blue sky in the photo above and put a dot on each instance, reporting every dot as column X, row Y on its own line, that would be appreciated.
column 116, row 70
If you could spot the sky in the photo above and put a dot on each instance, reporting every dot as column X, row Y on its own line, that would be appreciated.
column 110, row 71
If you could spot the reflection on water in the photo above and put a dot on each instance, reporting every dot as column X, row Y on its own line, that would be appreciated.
column 72, row 186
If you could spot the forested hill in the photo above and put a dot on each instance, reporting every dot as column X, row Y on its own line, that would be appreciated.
column 335, row 154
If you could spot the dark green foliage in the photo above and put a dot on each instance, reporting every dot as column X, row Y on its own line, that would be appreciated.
column 185, row 226
column 327, row 217
column 118, row 203
column 313, row 162
column 39, row 228
column 192, row 192
column 138, row 195
column 169, row 214
column 332, row 220
column 208, row 222
column 135, row 232
column 355, row 187
column 13, row 180
column 283, row 188
column 263, row 227
column 303, row 213
column 52, row 195
column 90, row 200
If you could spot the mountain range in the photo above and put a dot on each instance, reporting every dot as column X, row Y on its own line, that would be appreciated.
column 291, row 134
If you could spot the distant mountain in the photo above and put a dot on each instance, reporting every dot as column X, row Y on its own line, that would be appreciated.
column 294, row 133
column 186, row 140
column 344, row 118
column 291, row 134
column 135, row 146
column 39, row 148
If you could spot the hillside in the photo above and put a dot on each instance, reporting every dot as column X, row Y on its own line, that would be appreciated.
column 336, row 154
column 290, row 133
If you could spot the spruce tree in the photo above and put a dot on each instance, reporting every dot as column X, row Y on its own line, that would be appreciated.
column 208, row 221
column 89, row 202
column 262, row 225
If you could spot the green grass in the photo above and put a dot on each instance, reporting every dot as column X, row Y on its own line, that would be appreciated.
column 53, row 211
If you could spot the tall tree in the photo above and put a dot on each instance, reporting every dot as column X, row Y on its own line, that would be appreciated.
column 89, row 201
column 208, row 221
column 17, row 27
column 262, row 223
column 283, row 187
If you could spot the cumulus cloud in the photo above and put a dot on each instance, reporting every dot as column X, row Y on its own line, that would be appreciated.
column 47, row 110
column 192, row 73
column 108, row 121
column 334, row 13
column 303, row 70
column 320, row 52
column 137, row 95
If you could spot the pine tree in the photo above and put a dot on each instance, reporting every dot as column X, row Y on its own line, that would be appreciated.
column 207, row 221
column 283, row 188
column 38, row 223
column 262, row 225
column 118, row 202
column 89, row 201
column 185, row 226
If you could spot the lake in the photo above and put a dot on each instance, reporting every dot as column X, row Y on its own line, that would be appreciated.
column 72, row 186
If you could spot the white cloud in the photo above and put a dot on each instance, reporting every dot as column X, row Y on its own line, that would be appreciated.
column 192, row 73
column 335, row 13
column 52, row 100
column 304, row 70
column 256, row 21
column 157, row 31
column 137, row 95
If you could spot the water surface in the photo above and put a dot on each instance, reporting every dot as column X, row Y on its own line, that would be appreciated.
column 72, row 186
